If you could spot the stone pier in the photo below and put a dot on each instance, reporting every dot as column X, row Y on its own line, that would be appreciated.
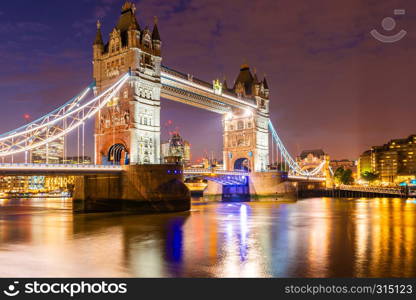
column 262, row 185
column 138, row 188
column 270, row 185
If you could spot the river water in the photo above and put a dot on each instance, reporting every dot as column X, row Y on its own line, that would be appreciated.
column 317, row 237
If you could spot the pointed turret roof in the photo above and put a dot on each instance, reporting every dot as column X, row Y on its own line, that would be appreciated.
column 98, row 36
column 255, row 79
column 155, row 33
column 266, row 86
column 128, row 19
column 224, row 85
column 246, row 78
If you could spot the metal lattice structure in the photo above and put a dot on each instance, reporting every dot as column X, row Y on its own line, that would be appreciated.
column 57, row 123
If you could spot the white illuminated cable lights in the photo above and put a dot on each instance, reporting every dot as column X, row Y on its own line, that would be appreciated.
column 293, row 165
column 38, row 123
column 74, row 114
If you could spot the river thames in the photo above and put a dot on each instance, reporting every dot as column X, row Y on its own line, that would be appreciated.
column 317, row 237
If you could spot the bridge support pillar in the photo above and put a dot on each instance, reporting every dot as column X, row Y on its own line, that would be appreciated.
column 262, row 185
column 213, row 190
column 270, row 185
column 139, row 188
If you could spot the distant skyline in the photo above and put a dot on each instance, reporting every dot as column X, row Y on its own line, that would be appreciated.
column 332, row 85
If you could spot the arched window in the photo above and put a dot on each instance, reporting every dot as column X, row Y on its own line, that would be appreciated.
column 240, row 125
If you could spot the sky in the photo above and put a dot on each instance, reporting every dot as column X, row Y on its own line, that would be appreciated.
column 332, row 85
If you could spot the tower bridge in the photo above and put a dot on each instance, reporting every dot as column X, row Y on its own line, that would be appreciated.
column 125, row 104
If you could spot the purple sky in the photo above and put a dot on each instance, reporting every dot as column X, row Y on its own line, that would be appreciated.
column 332, row 85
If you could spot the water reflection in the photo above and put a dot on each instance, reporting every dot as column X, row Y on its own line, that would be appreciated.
column 319, row 237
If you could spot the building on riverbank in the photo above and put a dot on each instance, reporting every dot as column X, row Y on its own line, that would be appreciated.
column 394, row 162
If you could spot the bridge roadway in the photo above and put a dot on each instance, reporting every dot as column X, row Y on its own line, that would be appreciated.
column 22, row 169
column 56, row 169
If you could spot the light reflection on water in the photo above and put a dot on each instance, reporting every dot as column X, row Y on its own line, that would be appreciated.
column 318, row 237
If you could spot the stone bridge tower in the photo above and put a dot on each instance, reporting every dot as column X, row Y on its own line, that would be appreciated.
column 246, row 132
column 127, row 129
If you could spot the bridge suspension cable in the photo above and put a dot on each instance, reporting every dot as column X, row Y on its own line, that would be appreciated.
column 57, row 123
column 286, row 158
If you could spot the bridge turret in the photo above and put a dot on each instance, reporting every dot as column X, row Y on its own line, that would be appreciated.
column 225, row 85
column 157, row 42
column 98, row 49
column 256, row 84
column 99, row 37
column 265, row 88
column 244, row 82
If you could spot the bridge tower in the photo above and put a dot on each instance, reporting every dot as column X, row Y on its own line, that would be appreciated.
column 127, row 129
column 246, row 132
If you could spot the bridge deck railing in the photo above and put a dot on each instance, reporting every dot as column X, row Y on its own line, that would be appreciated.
column 371, row 189
column 27, row 166
column 213, row 171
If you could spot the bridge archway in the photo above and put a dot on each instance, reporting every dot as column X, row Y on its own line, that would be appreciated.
column 242, row 164
column 118, row 154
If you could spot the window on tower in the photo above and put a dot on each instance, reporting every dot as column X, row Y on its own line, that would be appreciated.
column 240, row 125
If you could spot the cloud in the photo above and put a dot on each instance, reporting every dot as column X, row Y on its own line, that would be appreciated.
column 23, row 27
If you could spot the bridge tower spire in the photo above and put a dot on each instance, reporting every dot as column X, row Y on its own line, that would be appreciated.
column 246, row 132
column 127, row 129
